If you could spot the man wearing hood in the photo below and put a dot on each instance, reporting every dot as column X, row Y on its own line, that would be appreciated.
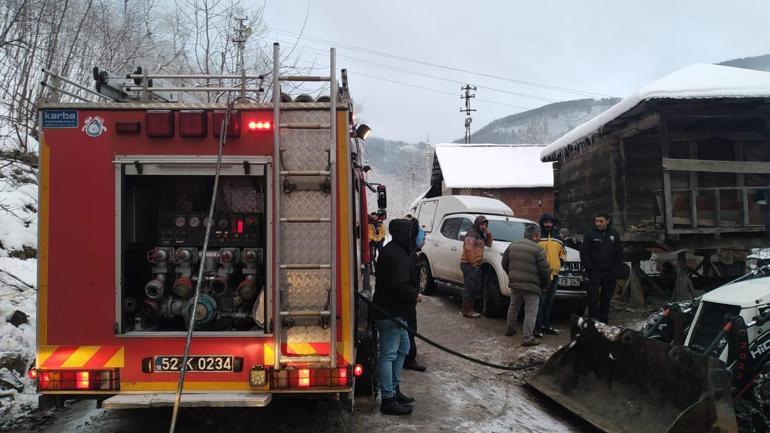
column 394, row 293
column 474, row 242
column 600, row 255
column 556, row 255
column 411, row 363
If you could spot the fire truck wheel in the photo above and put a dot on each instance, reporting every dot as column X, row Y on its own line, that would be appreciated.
column 492, row 301
column 427, row 285
column 366, row 355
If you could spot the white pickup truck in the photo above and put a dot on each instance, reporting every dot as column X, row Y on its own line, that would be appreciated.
column 445, row 219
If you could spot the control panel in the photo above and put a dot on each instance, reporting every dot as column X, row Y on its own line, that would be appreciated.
column 181, row 228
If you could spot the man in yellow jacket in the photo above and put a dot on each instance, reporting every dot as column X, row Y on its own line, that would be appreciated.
column 556, row 255
column 376, row 236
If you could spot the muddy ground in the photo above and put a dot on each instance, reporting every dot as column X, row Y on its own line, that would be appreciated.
column 453, row 395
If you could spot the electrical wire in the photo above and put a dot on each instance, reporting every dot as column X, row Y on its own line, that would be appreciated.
column 436, row 65
column 444, row 348
column 435, row 77
column 188, row 341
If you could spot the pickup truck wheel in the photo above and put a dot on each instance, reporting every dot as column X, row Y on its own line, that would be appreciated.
column 427, row 285
column 492, row 302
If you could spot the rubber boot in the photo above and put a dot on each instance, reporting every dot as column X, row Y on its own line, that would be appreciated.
column 467, row 310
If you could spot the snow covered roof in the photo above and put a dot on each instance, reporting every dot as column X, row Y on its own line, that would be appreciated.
column 493, row 166
column 693, row 82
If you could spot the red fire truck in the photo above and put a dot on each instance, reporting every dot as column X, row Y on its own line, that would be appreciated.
column 125, row 188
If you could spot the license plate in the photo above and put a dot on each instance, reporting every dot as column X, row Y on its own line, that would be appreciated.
column 569, row 282
column 194, row 363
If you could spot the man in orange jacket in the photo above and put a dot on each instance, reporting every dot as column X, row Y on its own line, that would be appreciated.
column 474, row 242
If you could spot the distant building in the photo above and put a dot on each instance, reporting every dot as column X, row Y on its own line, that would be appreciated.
column 511, row 173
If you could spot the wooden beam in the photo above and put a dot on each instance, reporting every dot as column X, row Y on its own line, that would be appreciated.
column 741, row 180
column 714, row 166
column 694, row 185
column 664, row 152
column 637, row 126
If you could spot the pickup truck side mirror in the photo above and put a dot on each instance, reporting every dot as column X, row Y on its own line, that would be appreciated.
column 462, row 234
column 382, row 197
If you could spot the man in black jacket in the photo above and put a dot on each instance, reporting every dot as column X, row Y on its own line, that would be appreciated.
column 395, row 294
column 600, row 255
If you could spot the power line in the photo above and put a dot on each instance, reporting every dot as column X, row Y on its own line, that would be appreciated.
column 435, row 77
column 438, row 91
column 436, row 65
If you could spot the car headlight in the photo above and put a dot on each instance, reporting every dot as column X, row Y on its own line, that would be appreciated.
column 752, row 264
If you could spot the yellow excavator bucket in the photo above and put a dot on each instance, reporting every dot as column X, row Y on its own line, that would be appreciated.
column 620, row 382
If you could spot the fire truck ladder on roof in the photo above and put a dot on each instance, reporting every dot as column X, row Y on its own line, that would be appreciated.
column 305, row 235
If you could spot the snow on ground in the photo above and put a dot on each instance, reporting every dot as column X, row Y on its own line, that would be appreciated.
column 18, row 275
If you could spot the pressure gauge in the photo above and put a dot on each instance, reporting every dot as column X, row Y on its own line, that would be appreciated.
column 222, row 223
column 180, row 221
column 195, row 221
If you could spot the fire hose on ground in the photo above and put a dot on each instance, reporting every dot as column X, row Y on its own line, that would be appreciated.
column 442, row 347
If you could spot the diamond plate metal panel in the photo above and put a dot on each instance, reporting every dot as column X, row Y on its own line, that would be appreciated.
column 309, row 204
column 240, row 196
column 305, row 243
column 305, row 149
column 307, row 334
column 306, row 289
column 305, row 116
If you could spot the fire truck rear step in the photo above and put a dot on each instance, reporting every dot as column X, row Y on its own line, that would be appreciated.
column 219, row 399
column 305, row 360
column 305, row 283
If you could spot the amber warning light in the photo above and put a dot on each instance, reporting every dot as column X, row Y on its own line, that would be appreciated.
column 259, row 125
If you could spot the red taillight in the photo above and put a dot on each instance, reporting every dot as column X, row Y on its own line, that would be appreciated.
column 45, row 380
column 81, row 380
column 233, row 127
column 193, row 123
column 259, row 125
column 159, row 123
column 304, row 378
column 342, row 376
column 68, row 380
column 358, row 370
column 32, row 373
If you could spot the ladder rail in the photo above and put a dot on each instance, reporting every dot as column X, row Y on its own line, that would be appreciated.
column 277, row 326
column 334, row 205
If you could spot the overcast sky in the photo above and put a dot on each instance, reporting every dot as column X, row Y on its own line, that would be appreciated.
column 582, row 47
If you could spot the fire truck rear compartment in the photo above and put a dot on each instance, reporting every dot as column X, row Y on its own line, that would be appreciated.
column 162, row 226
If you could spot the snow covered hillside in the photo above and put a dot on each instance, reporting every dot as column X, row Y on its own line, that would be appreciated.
column 18, row 272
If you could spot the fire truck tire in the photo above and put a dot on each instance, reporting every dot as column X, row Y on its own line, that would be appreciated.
column 427, row 284
column 492, row 301
column 366, row 355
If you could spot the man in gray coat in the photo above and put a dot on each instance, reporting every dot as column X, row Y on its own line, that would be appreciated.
column 528, row 272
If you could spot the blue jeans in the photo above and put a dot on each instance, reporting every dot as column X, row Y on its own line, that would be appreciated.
column 394, row 346
column 546, row 304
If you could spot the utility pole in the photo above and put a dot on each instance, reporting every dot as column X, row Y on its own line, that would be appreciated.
column 467, row 110
column 242, row 33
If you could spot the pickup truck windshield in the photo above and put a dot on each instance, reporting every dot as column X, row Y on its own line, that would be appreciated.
column 506, row 231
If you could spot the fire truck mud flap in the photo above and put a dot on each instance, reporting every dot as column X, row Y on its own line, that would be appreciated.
column 619, row 381
column 144, row 401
